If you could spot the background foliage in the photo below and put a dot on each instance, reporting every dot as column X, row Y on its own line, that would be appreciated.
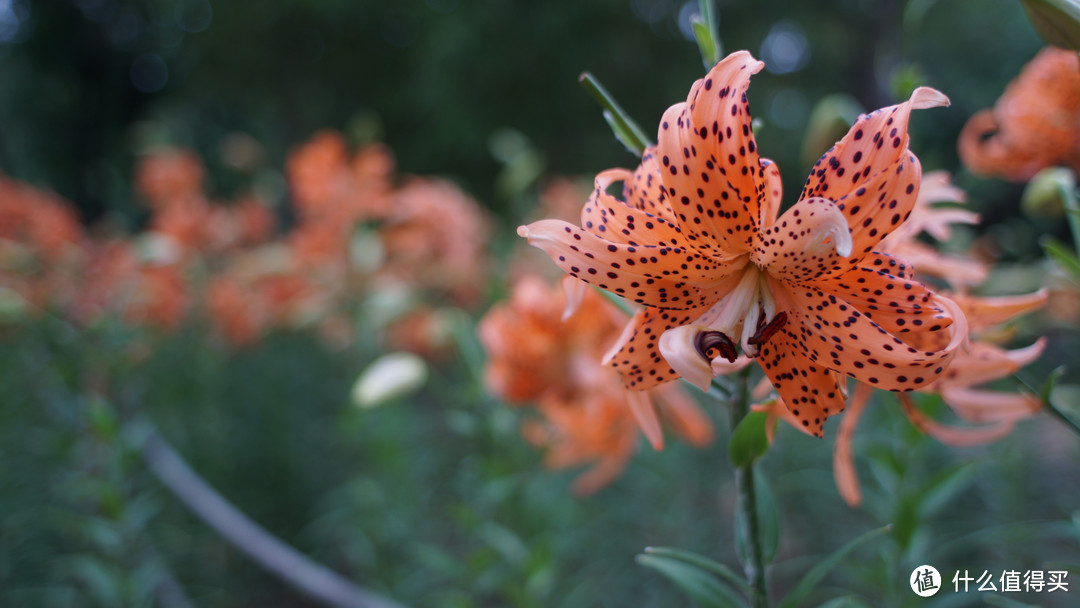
column 434, row 499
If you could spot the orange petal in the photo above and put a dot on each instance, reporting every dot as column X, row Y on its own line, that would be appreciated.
column 643, row 411
column 613, row 220
column 847, row 480
column 895, row 302
column 952, row 435
column 986, row 311
column 982, row 406
column 983, row 362
column 809, row 390
column 772, row 193
column 685, row 415
column 645, row 190
column 876, row 143
column 833, row 333
column 636, row 354
column 810, row 240
column 709, row 160
column 871, row 174
column 650, row 275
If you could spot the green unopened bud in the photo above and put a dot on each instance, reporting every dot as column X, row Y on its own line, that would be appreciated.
column 1047, row 195
column 387, row 378
column 1056, row 21
column 829, row 121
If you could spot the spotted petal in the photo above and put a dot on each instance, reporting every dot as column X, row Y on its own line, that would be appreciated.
column 661, row 276
column 613, row 220
column 871, row 173
column 645, row 189
column 709, row 160
column 810, row 240
column 809, row 390
column 636, row 354
column 833, row 333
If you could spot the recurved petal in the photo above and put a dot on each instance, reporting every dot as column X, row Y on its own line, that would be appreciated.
column 613, row 220
column 661, row 276
column 709, row 160
column 642, row 408
column 984, row 312
column 871, row 174
column 979, row 406
column 983, row 362
column 678, row 346
column 645, row 190
column 874, row 144
column 833, row 333
column 772, row 193
column 810, row 391
column 847, row 479
column 684, row 414
column 953, row 435
column 883, row 290
column 636, row 354
column 809, row 241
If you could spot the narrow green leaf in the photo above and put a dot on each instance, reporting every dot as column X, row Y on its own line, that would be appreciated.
column 748, row 441
column 810, row 580
column 944, row 486
column 702, row 562
column 709, row 53
column 1061, row 256
column 702, row 587
column 626, row 130
column 1050, row 383
column 848, row 601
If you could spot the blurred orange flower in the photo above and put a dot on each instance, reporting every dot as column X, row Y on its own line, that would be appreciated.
column 166, row 175
column 540, row 350
column 436, row 237
column 1035, row 124
column 698, row 243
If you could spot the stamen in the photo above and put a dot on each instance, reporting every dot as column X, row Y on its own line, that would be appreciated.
column 710, row 342
column 769, row 330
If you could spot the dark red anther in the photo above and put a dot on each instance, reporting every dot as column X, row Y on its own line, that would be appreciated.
column 769, row 330
column 712, row 343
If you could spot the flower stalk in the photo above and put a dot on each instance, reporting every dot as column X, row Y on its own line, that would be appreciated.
column 746, row 508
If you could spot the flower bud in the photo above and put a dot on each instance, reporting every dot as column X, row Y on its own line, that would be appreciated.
column 1056, row 21
column 1048, row 193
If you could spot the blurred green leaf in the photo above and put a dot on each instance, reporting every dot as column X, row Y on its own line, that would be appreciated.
column 1061, row 255
column 1056, row 21
column 700, row 585
column 849, row 601
column 101, row 580
column 702, row 562
column 748, row 441
column 942, row 487
column 810, row 580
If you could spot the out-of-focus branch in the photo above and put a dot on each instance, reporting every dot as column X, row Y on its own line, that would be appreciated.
column 267, row 550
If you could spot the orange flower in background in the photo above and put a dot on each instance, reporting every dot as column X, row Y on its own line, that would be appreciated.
column 41, row 244
column 1035, row 124
column 542, row 351
column 119, row 281
column 166, row 175
column 698, row 243
column 436, row 237
column 325, row 183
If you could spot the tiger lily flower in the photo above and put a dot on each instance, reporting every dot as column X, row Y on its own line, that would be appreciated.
column 699, row 242
column 1035, row 124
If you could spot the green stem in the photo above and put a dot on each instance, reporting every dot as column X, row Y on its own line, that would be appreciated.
column 1069, row 422
column 746, row 504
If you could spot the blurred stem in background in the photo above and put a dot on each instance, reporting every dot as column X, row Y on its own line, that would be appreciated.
column 746, row 509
